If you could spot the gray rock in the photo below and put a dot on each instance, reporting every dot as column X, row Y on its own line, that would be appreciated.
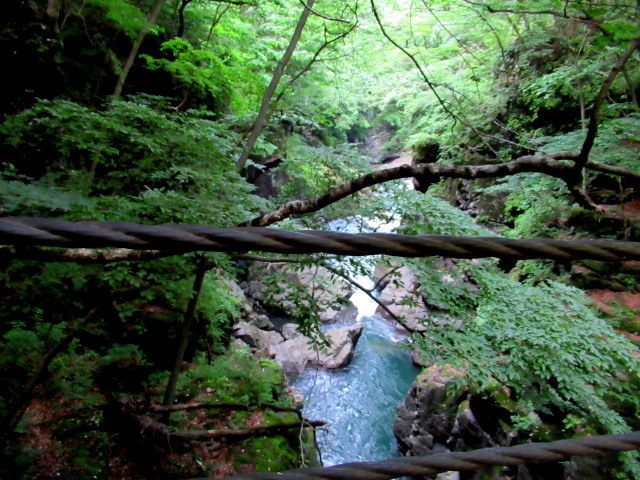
column 400, row 299
column 290, row 330
column 261, row 340
column 298, row 351
column 292, row 354
column 438, row 416
column 329, row 292
column 262, row 322
column 418, row 359
column 240, row 345
column 425, row 419
column 342, row 343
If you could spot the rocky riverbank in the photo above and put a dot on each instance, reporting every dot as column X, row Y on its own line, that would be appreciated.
column 291, row 292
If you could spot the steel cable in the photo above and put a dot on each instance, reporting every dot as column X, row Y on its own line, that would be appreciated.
column 458, row 461
column 23, row 231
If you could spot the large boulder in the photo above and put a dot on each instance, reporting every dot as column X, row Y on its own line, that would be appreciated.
column 298, row 351
column 290, row 291
column 261, row 340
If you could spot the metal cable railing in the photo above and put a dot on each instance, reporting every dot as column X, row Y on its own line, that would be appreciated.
column 460, row 461
column 23, row 231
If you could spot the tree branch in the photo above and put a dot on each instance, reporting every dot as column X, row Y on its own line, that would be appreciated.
column 318, row 14
column 222, row 406
column 594, row 120
column 117, row 93
column 244, row 433
column 185, row 334
column 370, row 295
column 389, row 273
column 83, row 255
column 603, row 167
column 554, row 13
column 275, row 80
column 547, row 164
column 152, row 431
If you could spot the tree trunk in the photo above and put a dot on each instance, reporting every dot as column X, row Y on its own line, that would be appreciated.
column 53, row 9
column 632, row 88
column 583, row 107
column 117, row 93
column 181, row 10
column 189, row 313
column 275, row 80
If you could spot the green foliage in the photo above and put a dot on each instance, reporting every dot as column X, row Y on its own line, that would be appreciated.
column 548, row 346
column 202, row 72
column 618, row 138
column 269, row 455
column 624, row 319
column 125, row 16
column 133, row 160
column 236, row 376
column 311, row 171
column 535, row 204
column 499, row 84
column 426, row 214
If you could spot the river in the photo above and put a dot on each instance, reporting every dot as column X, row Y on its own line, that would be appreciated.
column 359, row 401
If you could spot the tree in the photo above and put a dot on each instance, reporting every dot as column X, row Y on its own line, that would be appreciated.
column 273, row 84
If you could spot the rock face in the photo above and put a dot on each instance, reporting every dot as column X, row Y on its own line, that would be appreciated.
column 437, row 416
column 248, row 309
column 403, row 295
column 294, row 351
column 425, row 419
column 398, row 296
column 297, row 351
column 289, row 291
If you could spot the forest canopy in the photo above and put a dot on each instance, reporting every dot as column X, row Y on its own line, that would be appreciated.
column 513, row 118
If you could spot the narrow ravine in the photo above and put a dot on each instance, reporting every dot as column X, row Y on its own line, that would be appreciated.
column 359, row 401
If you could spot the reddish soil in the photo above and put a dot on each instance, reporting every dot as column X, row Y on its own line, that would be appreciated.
column 629, row 210
column 606, row 300
column 602, row 298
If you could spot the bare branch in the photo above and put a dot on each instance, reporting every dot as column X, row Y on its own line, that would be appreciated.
column 244, row 433
column 84, row 255
column 318, row 14
column 370, row 295
column 389, row 273
column 222, row 406
column 603, row 167
column 553, row 13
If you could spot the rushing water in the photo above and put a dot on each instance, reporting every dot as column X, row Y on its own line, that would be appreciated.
column 359, row 401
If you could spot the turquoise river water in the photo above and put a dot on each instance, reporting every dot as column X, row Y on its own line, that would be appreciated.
column 359, row 401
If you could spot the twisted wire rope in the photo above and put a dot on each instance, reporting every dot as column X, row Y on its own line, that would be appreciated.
column 23, row 231
column 459, row 461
